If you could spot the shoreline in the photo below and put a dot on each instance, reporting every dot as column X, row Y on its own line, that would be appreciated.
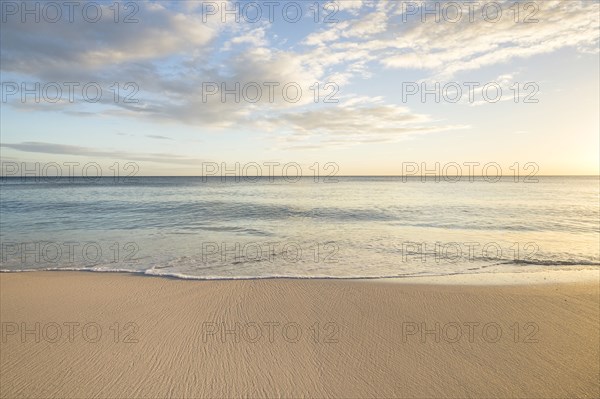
column 548, row 276
column 127, row 336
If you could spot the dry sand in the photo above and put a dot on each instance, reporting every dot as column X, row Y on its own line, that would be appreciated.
column 357, row 338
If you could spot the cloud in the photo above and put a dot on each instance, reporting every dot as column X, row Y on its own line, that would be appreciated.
column 155, row 136
column 352, row 123
column 51, row 49
column 350, row 6
column 73, row 150
column 253, row 36
column 445, row 48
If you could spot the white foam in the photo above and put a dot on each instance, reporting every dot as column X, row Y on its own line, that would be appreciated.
column 517, row 278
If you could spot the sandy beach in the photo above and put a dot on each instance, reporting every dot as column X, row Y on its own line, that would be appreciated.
column 77, row 334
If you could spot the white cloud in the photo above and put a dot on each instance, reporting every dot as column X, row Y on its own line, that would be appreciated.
column 53, row 47
column 446, row 48
column 361, row 120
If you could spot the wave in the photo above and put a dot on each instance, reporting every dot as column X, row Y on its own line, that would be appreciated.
column 182, row 276
column 550, row 263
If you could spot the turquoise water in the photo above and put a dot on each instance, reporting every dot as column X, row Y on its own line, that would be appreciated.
column 355, row 227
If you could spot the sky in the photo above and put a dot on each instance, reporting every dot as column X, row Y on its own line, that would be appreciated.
column 173, row 86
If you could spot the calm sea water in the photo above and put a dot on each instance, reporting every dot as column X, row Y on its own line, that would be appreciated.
column 357, row 227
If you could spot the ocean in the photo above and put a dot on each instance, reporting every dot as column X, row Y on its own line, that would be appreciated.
column 352, row 227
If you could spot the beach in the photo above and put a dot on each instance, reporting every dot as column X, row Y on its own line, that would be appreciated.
column 82, row 334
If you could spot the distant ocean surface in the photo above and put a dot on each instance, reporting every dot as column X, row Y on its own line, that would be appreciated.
column 358, row 227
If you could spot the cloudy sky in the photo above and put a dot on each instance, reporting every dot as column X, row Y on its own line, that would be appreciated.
column 342, row 82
